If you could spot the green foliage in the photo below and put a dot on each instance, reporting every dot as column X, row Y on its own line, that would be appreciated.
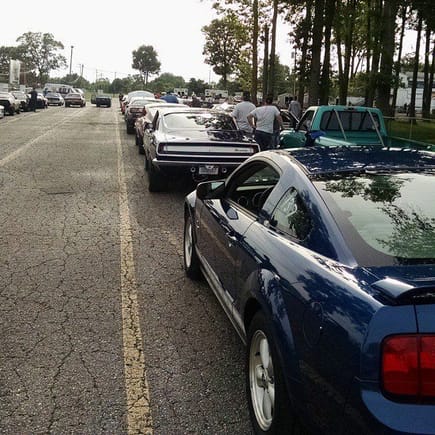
column 166, row 82
column 225, row 39
column 196, row 86
column 145, row 61
column 39, row 53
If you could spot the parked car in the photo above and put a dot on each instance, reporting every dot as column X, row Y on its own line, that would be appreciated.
column 74, row 99
column 134, row 110
column 103, row 100
column 23, row 99
column 127, row 98
column 41, row 101
column 344, row 126
column 200, row 143
column 54, row 99
column 146, row 120
column 2, row 112
column 324, row 260
column 10, row 103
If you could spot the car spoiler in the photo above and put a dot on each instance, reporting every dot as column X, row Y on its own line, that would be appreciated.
column 402, row 293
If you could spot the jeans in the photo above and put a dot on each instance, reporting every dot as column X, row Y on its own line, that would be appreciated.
column 265, row 140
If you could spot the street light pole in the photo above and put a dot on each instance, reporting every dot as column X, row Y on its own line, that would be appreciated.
column 70, row 60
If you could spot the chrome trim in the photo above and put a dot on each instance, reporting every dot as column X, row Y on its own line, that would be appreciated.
column 159, row 163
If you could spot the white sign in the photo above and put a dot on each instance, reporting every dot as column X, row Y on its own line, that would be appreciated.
column 14, row 72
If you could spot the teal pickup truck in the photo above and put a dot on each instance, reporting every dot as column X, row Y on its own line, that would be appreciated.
column 344, row 126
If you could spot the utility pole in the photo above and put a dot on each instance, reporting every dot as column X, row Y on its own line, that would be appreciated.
column 70, row 60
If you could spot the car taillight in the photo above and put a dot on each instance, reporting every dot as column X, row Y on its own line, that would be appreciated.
column 408, row 366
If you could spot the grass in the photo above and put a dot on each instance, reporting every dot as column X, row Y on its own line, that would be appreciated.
column 423, row 131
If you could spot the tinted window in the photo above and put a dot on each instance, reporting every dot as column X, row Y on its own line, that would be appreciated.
column 350, row 120
column 291, row 216
column 386, row 218
column 200, row 121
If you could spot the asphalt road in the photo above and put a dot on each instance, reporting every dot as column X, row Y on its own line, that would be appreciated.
column 100, row 330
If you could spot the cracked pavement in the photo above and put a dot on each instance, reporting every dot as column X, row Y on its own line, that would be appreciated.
column 61, row 327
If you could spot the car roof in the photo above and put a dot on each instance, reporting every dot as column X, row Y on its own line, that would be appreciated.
column 322, row 160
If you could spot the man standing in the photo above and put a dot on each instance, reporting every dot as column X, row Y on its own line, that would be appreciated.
column 33, row 99
column 262, row 119
column 241, row 112
column 295, row 109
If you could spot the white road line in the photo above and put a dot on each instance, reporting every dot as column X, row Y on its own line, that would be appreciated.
column 139, row 419
column 23, row 148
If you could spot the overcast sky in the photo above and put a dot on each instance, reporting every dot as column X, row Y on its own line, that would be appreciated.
column 104, row 33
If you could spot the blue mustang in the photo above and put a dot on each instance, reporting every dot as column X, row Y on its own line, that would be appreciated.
column 324, row 261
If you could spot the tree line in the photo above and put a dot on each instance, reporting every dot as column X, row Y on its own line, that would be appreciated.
column 336, row 44
column 339, row 48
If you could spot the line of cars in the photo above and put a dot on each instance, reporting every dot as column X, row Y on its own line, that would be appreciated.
column 322, row 255
column 179, row 141
column 15, row 102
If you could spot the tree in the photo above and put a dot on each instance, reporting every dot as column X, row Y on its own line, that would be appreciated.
column 146, row 62
column 385, row 78
column 224, row 40
column 167, row 82
column 39, row 52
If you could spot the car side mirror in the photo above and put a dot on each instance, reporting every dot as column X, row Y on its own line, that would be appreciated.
column 210, row 189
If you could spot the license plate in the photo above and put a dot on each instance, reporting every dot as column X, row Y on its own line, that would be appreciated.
column 208, row 170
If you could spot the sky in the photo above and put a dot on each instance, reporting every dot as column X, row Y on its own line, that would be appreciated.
column 104, row 33
column 104, row 36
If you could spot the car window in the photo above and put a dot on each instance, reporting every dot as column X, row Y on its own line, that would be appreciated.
column 386, row 218
column 199, row 121
column 251, row 187
column 305, row 122
column 350, row 120
column 291, row 216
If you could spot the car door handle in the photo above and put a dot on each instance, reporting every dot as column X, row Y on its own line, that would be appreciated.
column 232, row 239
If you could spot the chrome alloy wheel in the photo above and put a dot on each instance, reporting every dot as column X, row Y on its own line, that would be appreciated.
column 262, row 381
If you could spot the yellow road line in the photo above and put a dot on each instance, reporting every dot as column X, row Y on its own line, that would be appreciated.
column 138, row 401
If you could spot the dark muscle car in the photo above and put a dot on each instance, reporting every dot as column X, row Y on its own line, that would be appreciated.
column 198, row 142
column 324, row 261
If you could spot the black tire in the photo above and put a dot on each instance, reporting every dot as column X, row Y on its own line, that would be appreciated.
column 190, row 257
column 280, row 419
column 156, row 183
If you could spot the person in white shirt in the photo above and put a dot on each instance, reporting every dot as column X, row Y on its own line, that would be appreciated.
column 262, row 119
column 241, row 111
column 295, row 109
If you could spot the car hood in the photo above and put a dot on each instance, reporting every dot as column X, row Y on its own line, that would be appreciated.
column 405, row 284
column 202, row 136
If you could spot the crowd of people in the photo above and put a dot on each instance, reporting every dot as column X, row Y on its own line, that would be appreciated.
column 263, row 123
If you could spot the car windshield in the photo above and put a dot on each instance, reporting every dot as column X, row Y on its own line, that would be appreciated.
column 199, row 121
column 385, row 218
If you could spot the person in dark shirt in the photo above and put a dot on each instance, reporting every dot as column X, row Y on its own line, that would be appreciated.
column 169, row 98
column 33, row 99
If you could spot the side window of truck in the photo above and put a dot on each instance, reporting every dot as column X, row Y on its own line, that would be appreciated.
column 305, row 122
